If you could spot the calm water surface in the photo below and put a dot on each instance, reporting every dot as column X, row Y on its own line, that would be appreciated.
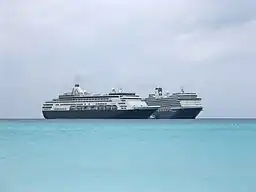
column 122, row 156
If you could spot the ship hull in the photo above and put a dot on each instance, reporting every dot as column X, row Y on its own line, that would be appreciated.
column 97, row 114
column 182, row 113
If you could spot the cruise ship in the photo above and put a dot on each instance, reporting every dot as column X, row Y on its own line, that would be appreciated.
column 182, row 105
column 79, row 104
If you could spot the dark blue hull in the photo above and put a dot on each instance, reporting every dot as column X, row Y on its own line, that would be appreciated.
column 100, row 114
column 182, row 113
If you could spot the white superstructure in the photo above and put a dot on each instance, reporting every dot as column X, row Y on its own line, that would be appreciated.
column 175, row 100
column 79, row 99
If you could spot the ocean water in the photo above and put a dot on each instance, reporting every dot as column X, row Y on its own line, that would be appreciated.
column 128, row 155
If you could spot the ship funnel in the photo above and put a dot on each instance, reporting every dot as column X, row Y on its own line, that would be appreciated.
column 160, row 91
column 77, row 90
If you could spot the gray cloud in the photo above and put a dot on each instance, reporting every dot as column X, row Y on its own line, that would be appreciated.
column 206, row 46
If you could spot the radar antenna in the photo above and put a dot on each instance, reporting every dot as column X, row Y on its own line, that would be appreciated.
column 182, row 89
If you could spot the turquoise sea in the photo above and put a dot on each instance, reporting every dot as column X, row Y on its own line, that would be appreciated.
column 128, row 155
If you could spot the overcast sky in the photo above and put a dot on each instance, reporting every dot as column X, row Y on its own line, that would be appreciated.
column 208, row 47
